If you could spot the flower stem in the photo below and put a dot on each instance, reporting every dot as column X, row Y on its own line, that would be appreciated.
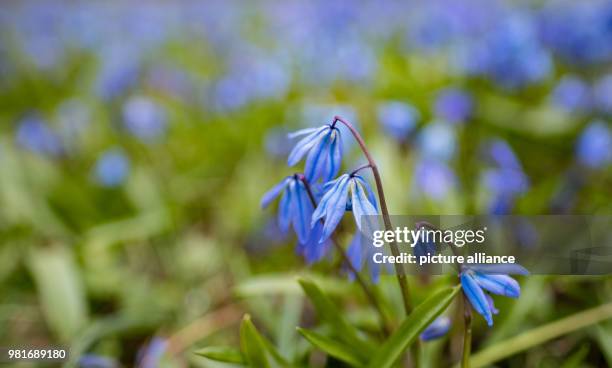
column 399, row 270
column 467, row 334
column 369, row 293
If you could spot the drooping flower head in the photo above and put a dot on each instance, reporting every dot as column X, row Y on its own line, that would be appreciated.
column 324, row 148
column 295, row 209
column 594, row 146
column 332, row 206
column 477, row 280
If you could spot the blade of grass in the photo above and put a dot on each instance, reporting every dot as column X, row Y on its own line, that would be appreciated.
column 332, row 347
column 540, row 335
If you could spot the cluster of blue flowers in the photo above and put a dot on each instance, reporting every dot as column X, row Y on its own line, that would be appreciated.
column 314, row 203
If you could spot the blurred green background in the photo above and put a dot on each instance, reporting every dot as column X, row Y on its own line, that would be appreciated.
column 136, row 141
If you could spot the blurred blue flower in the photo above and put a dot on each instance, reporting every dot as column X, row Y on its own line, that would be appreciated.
column 324, row 148
column 332, row 206
column 506, row 180
column 437, row 140
column 454, row 105
column 144, row 118
column 438, row 328
column 477, row 279
column 119, row 71
column 34, row 134
column 594, row 146
column 511, row 53
column 398, row 119
column 602, row 93
column 112, row 168
column 578, row 31
column 434, row 178
column 571, row 94
column 149, row 356
column 96, row 361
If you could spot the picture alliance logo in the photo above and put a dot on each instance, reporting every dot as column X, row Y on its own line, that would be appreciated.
column 423, row 235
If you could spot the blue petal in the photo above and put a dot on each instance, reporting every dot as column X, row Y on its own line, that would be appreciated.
column 476, row 296
column 305, row 144
column 302, row 132
column 363, row 211
column 498, row 284
column 314, row 251
column 317, row 159
column 368, row 189
column 301, row 211
column 501, row 269
column 335, row 156
column 273, row 193
column 284, row 211
column 334, row 208
column 330, row 189
column 438, row 328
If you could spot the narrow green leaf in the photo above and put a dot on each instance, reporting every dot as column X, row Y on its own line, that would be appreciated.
column 328, row 312
column 61, row 294
column 252, row 345
column 256, row 348
column 222, row 354
column 411, row 327
column 540, row 335
column 332, row 347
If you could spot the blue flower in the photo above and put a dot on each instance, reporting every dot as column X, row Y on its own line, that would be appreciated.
column 454, row 105
column 144, row 118
column 398, row 119
column 324, row 148
column 437, row 140
column 34, row 134
column 295, row 207
column 112, row 168
column 434, row 178
column 332, row 206
column 477, row 279
column 594, row 147
column 571, row 94
column 438, row 328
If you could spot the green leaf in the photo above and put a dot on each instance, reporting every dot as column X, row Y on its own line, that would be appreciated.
column 61, row 294
column 540, row 335
column 328, row 312
column 412, row 326
column 256, row 348
column 252, row 344
column 333, row 348
column 222, row 354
